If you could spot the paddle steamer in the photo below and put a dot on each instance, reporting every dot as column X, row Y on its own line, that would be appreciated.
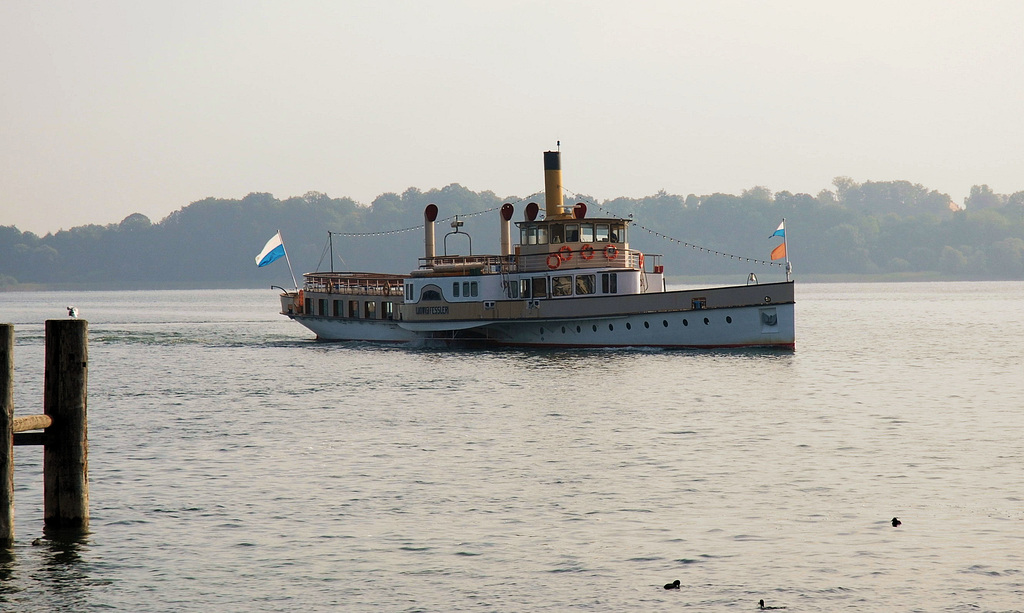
column 571, row 281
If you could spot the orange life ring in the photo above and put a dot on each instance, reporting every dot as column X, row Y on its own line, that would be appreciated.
column 641, row 261
column 587, row 252
column 554, row 261
column 565, row 253
column 610, row 252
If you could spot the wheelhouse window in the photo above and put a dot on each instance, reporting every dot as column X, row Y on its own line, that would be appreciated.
column 586, row 284
column 557, row 233
column 587, row 232
column 572, row 233
column 561, row 286
column 601, row 233
column 619, row 233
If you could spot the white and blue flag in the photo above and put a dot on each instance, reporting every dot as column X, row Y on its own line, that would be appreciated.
column 273, row 250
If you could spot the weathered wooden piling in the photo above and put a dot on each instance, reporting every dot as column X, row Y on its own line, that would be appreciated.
column 6, row 435
column 66, row 446
column 62, row 430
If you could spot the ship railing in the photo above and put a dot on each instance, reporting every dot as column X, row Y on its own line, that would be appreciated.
column 489, row 264
column 559, row 259
column 332, row 283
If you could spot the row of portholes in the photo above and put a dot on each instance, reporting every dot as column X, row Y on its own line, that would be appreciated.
column 647, row 324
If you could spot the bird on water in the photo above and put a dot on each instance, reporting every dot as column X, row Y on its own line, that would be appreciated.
column 760, row 603
column 672, row 586
column 896, row 522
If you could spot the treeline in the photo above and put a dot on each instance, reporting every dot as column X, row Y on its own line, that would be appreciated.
column 870, row 228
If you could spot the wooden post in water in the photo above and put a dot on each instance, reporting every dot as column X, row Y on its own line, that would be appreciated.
column 66, row 447
column 6, row 435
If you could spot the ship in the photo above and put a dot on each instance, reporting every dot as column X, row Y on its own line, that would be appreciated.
column 571, row 281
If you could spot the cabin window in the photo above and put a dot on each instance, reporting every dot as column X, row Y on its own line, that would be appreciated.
column 586, row 284
column 474, row 289
column 455, row 289
column 572, row 233
column 308, row 307
column 610, row 283
column 540, row 287
column 431, row 294
column 587, row 232
column 322, row 306
column 561, row 286
column 339, row 308
column 465, row 289
column 370, row 309
column 353, row 308
column 513, row 289
column 557, row 233
column 387, row 310
column 601, row 233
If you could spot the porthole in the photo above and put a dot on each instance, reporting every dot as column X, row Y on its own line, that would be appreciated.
column 706, row 322
column 664, row 322
column 578, row 329
column 542, row 331
column 647, row 324
column 628, row 326
column 686, row 323
column 563, row 329
column 610, row 327
column 728, row 319
column 595, row 327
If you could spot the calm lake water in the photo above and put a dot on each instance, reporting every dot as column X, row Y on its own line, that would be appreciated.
column 236, row 465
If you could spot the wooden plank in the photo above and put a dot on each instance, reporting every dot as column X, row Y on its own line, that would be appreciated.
column 29, row 438
column 24, row 423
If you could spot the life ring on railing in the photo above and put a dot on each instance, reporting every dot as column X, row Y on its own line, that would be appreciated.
column 587, row 252
column 641, row 261
column 565, row 253
column 610, row 252
column 554, row 261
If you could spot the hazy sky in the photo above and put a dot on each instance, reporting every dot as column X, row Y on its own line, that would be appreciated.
column 110, row 108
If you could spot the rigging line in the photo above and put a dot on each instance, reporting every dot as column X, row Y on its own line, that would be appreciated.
column 412, row 228
column 698, row 248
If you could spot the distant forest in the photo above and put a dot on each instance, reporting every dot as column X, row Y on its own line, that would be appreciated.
column 892, row 229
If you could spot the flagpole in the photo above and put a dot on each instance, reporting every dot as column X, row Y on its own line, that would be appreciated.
column 785, row 241
column 287, row 259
